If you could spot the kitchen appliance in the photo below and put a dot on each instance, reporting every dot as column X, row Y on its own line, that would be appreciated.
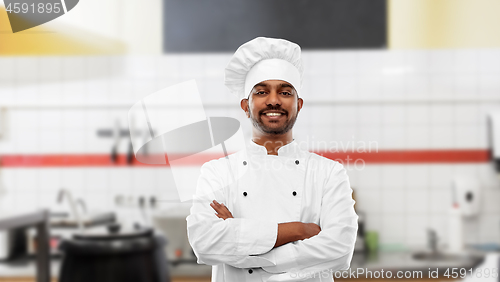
column 360, row 244
column 455, row 230
column 466, row 192
column 12, row 243
column 116, row 254
column 5, row 245
column 494, row 139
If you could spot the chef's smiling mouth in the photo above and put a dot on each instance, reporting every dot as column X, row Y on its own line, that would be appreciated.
column 274, row 113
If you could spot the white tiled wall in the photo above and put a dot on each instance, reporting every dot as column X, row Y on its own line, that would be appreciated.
column 436, row 99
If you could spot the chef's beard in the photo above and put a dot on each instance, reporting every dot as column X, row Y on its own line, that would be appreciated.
column 259, row 123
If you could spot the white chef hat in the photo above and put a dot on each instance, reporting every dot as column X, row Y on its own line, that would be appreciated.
column 263, row 59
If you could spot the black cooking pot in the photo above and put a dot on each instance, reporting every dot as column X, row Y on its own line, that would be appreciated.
column 127, row 256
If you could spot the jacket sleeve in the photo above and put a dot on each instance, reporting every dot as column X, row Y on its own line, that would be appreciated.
column 333, row 247
column 234, row 241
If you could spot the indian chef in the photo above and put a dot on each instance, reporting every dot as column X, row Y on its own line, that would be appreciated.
column 291, row 216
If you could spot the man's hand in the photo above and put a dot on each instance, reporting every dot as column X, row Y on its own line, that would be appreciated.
column 295, row 231
column 310, row 229
column 221, row 210
column 287, row 232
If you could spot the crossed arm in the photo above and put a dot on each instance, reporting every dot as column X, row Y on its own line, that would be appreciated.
column 246, row 242
column 287, row 232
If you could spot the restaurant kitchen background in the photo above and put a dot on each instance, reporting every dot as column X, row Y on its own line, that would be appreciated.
column 412, row 119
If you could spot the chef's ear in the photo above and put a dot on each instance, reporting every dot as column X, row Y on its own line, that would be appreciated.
column 244, row 106
column 300, row 102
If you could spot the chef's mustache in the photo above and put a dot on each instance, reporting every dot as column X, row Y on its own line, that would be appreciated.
column 273, row 108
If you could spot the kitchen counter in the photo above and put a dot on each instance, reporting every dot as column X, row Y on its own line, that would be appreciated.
column 20, row 219
column 404, row 261
column 38, row 219
column 26, row 267
column 388, row 261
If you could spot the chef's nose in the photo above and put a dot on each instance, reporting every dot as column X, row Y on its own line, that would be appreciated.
column 273, row 98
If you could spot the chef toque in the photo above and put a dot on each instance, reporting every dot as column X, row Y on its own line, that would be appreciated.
column 263, row 59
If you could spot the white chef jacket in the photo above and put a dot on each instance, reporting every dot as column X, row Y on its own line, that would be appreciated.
column 295, row 185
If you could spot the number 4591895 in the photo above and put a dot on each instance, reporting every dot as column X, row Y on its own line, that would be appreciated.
column 40, row 8
column 478, row 272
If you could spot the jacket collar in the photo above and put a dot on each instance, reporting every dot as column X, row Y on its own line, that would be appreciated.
column 289, row 150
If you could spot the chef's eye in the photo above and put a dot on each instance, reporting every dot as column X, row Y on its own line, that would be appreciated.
column 286, row 93
column 260, row 92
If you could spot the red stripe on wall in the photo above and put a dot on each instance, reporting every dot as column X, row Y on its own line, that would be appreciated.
column 66, row 160
column 414, row 156
column 380, row 157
